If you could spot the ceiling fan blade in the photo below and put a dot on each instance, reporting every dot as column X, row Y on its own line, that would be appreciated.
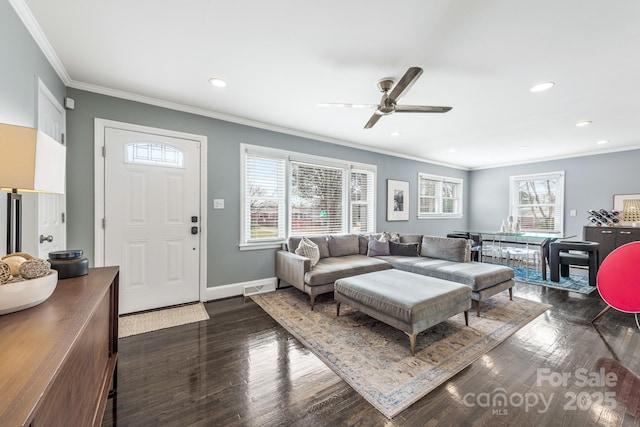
column 405, row 83
column 372, row 121
column 343, row 105
column 421, row 109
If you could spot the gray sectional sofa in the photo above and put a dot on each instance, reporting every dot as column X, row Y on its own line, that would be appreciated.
column 347, row 255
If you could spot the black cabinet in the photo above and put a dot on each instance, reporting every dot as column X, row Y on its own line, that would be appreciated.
column 611, row 237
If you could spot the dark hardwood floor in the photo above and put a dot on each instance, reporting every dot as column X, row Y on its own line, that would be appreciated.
column 240, row 368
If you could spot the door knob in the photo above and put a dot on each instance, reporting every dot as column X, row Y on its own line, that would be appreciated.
column 43, row 239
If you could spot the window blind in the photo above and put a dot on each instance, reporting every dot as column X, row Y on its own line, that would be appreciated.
column 264, row 194
column 317, row 199
column 537, row 201
column 439, row 196
column 362, row 202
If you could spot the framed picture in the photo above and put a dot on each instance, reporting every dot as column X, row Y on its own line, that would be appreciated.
column 629, row 207
column 397, row 200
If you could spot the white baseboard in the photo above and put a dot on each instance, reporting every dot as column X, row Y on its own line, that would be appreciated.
column 236, row 289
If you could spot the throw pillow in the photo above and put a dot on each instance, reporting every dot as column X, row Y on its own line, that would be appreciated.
column 363, row 242
column 395, row 237
column 404, row 249
column 308, row 249
column 378, row 247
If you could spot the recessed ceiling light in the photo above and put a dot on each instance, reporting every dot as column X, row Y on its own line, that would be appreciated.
column 395, row 134
column 542, row 87
column 452, row 150
column 217, row 82
column 584, row 123
column 524, row 147
column 602, row 142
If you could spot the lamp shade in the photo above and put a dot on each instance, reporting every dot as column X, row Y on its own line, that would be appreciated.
column 30, row 160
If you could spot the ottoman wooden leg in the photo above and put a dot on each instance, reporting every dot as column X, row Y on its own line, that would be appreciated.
column 511, row 294
column 337, row 308
column 412, row 343
column 478, row 308
column 466, row 317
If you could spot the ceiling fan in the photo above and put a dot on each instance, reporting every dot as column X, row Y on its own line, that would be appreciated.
column 389, row 101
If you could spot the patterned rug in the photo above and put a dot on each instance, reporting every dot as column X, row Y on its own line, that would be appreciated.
column 374, row 358
column 149, row 321
column 574, row 283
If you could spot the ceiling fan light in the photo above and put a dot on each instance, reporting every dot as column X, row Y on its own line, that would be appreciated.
column 541, row 87
column 217, row 82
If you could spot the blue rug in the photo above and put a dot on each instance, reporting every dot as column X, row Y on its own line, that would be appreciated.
column 574, row 283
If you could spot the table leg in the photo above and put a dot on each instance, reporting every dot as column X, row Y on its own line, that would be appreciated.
column 601, row 314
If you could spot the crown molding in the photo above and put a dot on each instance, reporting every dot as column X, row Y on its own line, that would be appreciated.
column 29, row 21
column 566, row 156
column 244, row 121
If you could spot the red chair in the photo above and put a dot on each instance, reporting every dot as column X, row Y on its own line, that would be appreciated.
column 619, row 280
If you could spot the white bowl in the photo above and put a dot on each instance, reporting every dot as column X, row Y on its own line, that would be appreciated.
column 18, row 296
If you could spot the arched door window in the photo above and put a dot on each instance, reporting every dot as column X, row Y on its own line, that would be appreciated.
column 154, row 154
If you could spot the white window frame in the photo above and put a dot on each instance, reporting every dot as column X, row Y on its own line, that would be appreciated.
column 288, row 157
column 559, row 205
column 440, row 180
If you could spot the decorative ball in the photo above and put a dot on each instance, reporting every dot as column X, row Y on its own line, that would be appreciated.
column 14, row 262
column 22, row 254
column 34, row 268
column 5, row 272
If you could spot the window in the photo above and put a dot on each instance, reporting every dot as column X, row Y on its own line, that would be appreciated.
column 439, row 196
column 362, row 201
column 288, row 193
column 264, row 214
column 153, row 154
column 537, row 201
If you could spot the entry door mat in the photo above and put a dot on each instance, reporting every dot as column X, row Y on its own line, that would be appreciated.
column 374, row 358
column 574, row 283
column 134, row 324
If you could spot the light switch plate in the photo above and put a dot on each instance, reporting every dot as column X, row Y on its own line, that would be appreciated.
column 573, row 212
column 218, row 203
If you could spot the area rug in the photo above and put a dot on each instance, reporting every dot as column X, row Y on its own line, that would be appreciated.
column 374, row 359
column 135, row 324
column 574, row 283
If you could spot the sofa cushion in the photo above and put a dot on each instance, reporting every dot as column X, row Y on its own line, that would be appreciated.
column 446, row 248
column 476, row 275
column 321, row 241
column 341, row 245
column 404, row 249
column 308, row 249
column 328, row 270
column 378, row 247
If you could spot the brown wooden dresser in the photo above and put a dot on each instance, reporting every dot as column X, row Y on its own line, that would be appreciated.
column 57, row 359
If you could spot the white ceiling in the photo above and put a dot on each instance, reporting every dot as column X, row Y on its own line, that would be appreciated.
column 283, row 57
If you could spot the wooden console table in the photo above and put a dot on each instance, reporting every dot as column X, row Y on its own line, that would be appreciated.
column 57, row 359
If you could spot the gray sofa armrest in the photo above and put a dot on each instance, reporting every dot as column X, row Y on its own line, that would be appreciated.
column 291, row 268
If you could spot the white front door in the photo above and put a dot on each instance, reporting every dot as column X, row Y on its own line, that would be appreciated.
column 152, row 223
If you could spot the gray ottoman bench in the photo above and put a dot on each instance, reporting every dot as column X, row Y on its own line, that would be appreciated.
column 409, row 302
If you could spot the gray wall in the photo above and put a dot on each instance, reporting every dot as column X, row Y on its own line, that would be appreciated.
column 590, row 183
column 226, row 263
column 22, row 61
